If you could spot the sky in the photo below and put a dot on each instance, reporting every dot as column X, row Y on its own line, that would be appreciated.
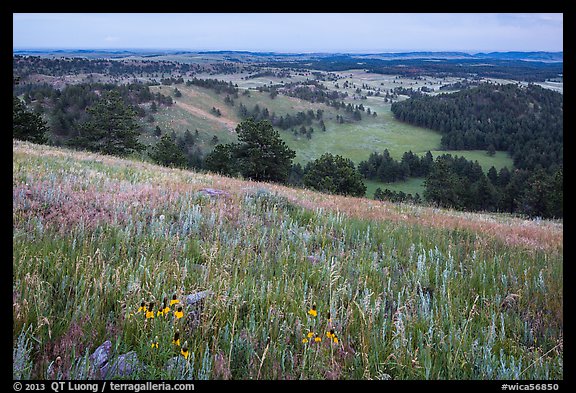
column 292, row 32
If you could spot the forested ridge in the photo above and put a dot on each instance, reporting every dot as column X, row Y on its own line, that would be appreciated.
column 529, row 71
column 527, row 122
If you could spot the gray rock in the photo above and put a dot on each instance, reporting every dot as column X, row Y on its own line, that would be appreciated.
column 197, row 297
column 101, row 355
column 122, row 366
column 214, row 192
column 195, row 302
column 89, row 367
column 177, row 367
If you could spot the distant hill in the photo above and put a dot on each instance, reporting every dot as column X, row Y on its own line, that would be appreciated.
column 527, row 56
column 118, row 53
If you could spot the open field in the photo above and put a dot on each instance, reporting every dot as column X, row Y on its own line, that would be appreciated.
column 414, row 185
column 356, row 140
column 413, row 292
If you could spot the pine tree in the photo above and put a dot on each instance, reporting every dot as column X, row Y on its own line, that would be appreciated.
column 111, row 128
column 167, row 153
column 27, row 126
column 334, row 174
column 262, row 155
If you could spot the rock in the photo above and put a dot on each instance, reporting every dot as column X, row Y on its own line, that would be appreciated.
column 101, row 355
column 177, row 367
column 122, row 366
column 214, row 192
column 197, row 297
column 195, row 302
column 91, row 367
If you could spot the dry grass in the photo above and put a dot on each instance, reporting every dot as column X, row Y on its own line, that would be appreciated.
column 532, row 234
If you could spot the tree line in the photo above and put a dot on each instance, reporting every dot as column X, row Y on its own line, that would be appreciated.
column 302, row 119
column 67, row 109
column 24, row 66
column 529, row 71
column 458, row 183
column 525, row 122
column 382, row 167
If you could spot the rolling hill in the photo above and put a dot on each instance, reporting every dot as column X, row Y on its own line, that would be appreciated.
column 302, row 285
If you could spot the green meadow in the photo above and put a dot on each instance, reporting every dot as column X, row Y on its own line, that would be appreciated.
column 354, row 140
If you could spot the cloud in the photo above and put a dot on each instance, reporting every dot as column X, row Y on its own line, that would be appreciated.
column 110, row 38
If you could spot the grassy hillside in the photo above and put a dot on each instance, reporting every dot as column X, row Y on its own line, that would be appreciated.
column 412, row 292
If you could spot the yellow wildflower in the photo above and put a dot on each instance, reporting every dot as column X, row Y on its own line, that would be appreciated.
column 174, row 300
column 184, row 351
column 150, row 312
column 155, row 342
column 317, row 339
column 304, row 340
column 310, row 334
column 179, row 314
column 142, row 307
column 313, row 311
column 176, row 339
column 335, row 340
column 163, row 310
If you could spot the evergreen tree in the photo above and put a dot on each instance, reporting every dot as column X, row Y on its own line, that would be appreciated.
column 222, row 160
column 493, row 175
column 484, row 195
column 334, row 174
column 168, row 153
column 296, row 175
column 189, row 138
column 27, row 126
column 442, row 184
column 262, row 155
column 111, row 128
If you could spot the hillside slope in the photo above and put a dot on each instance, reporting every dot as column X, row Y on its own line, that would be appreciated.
column 409, row 292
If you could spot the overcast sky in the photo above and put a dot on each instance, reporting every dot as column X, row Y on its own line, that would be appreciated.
column 291, row 32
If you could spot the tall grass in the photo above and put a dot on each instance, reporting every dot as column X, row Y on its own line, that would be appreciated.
column 93, row 236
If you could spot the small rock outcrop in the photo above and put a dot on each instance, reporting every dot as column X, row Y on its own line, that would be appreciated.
column 122, row 366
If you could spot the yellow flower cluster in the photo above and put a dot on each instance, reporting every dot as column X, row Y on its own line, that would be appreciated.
column 147, row 309
column 311, row 336
column 332, row 336
column 163, row 310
